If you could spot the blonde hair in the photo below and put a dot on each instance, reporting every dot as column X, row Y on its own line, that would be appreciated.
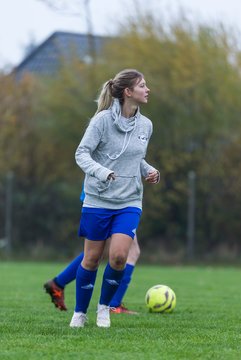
column 127, row 78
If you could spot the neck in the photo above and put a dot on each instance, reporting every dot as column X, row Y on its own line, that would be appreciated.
column 128, row 110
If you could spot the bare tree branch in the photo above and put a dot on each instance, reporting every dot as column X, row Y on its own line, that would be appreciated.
column 77, row 8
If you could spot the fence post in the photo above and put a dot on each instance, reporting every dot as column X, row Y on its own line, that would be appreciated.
column 191, row 215
column 8, row 212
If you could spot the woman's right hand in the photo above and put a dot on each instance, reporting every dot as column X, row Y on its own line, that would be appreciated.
column 111, row 176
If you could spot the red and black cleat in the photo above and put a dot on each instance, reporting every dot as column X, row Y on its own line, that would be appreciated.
column 122, row 310
column 56, row 293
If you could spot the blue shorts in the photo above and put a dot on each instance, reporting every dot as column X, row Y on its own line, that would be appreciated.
column 100, row 224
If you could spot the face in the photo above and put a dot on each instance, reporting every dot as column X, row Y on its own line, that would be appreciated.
column 139, row 94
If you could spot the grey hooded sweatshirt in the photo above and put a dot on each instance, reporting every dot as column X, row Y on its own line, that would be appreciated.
column 110, row 144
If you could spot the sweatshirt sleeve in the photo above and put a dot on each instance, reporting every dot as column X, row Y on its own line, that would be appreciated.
column 146, row 168
column 83, row 154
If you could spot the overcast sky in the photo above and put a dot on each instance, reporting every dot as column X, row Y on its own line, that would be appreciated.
column 23, row 21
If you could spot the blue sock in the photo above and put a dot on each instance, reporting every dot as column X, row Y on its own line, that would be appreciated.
column 85, row 281
column 69, row 273
column 120, row 292
column 110, row 283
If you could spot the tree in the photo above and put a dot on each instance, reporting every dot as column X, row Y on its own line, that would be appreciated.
column 194, row 76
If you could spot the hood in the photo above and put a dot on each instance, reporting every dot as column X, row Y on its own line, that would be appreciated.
column 124, row 125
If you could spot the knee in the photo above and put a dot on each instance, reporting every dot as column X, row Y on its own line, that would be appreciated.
column 137, row 253
column 134, row 254
column 118, row 261
column 91, row 262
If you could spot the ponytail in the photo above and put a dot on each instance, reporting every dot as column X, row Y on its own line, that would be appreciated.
column 105, row 98
column 114, row 89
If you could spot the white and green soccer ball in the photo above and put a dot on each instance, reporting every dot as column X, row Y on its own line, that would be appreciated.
column 160, row 299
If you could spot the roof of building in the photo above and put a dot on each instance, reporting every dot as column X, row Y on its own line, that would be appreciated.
column 46, row 58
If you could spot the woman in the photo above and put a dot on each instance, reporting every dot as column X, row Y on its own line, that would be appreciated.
column 111, row 153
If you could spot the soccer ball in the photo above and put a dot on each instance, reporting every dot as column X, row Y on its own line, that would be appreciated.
column 160, row 299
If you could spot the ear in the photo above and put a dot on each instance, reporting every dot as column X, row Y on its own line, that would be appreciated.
column 127, row 92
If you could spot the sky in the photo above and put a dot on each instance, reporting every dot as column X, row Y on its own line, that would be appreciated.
column 32, row 21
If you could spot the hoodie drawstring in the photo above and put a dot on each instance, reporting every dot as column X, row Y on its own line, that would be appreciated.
column 124, row 147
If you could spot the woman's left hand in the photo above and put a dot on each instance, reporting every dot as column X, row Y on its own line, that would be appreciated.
column 153, row 177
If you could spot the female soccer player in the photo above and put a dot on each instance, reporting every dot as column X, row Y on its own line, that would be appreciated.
column 111, row 153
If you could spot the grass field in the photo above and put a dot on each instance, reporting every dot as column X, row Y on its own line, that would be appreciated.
column 206, row 323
